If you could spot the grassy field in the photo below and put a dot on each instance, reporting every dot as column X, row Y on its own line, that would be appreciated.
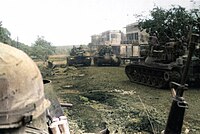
column 103, row 97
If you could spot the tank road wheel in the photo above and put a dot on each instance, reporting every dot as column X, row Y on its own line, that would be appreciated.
column 153, row 81
column 148, row 80
column 166, row 76
column 139, row 77
column 143, row 78
column 134, row 75
column 175, row 76
column 160, row 82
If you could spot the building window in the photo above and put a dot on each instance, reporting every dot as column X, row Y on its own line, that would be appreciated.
column 113, row 36
column 136, row 36
column 132, row 37
column 107, row 37
column 129, row 37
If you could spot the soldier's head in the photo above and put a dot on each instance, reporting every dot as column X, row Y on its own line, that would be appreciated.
column 21, row 89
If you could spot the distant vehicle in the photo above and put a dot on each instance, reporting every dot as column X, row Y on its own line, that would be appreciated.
column 106, row 57
column 78, row 57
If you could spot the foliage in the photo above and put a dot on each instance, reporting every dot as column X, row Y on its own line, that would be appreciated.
column 27, row 49
column 42, row 48
column 4, row 35
column 5, row 38
column 173, row 23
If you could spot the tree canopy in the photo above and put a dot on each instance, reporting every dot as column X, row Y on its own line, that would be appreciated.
column 42, row 48
column 4, row 35
column 5, row 38
column 173, row 23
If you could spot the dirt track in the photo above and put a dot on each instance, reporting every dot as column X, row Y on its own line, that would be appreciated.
column 103, row 97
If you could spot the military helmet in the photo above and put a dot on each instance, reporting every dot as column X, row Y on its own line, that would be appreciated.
column 21, row 88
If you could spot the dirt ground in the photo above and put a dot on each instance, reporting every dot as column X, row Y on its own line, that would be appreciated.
column 103, row 97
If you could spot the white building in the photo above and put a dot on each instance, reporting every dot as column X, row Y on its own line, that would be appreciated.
column 130, row 47
column 134, row 35
column 95, row 39
column 110, row 37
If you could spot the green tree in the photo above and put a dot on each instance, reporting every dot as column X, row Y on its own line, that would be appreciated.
column 4, row 35
column 172, row 23
column 27, row 49
column 42, row 48
column 5, row 38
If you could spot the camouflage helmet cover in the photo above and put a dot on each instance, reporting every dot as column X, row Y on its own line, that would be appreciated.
column 21, row 88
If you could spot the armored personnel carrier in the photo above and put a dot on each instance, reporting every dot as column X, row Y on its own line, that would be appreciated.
column 78, row 56
column 106, row 57
column 164, row 63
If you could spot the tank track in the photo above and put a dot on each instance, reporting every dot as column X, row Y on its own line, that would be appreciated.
column 151, row 76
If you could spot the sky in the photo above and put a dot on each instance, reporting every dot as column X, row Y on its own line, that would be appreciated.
column 73, row 22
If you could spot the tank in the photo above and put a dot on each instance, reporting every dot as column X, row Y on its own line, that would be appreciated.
column 78, row 57
column 106, row 57
column 164, row 64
